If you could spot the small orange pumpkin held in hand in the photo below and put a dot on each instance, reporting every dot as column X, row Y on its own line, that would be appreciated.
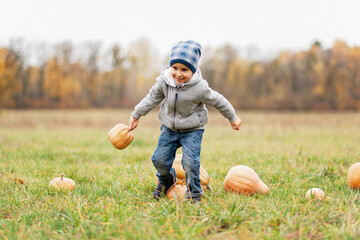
column 120, row 136
column 353, row 176
column 176, row 192
column 244, row 180
column 315, row 193
column 64, row 184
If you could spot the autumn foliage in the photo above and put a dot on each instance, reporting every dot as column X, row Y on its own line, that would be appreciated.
column 316, row 79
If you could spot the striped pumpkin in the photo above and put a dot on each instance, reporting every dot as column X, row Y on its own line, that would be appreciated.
column 120, row 136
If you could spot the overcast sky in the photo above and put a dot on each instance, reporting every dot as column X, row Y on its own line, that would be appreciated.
column 270, row 25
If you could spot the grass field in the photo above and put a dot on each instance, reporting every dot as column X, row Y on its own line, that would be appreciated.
column 291, row 152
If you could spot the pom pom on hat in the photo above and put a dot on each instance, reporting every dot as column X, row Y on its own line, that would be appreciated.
column 187, row 53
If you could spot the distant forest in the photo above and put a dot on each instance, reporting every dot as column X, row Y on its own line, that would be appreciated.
column 65, row 76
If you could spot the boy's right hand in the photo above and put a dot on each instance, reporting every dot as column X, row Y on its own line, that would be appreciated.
column 133, row 123
column 236, row 124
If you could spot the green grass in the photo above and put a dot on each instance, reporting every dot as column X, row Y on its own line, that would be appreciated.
column 291, row 152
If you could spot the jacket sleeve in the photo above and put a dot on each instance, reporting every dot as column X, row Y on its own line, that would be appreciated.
column 215, row 99
column 148, row 103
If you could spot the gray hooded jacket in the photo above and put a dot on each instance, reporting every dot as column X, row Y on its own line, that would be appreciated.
column 183, row 107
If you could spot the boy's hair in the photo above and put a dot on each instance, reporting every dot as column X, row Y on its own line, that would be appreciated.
column 187, row 53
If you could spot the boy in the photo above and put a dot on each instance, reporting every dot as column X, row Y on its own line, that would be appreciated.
column 183, row 114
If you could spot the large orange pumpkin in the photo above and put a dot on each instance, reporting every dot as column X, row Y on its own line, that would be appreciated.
column 244, row 180
column 120, row 136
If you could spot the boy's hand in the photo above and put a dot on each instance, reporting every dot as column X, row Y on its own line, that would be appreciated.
column 236, row 124
column 133, row 123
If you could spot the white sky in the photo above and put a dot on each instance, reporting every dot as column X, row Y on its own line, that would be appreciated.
column 270, row 25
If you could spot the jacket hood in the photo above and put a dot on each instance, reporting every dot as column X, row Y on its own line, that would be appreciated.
column 166, row 76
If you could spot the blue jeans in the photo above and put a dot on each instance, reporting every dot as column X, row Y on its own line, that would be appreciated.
column 164, row 155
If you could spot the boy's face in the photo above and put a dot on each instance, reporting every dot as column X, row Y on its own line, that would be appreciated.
column 180, row 73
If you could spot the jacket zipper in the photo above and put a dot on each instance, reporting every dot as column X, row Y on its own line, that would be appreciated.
column 176, row 97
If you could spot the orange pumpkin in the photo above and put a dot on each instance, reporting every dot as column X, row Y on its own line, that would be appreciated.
column 176, row 192
column 120, row 136
column 315, row 193
column 180, row 173
column 61, row 183
column 353, row 176
column 244, row 180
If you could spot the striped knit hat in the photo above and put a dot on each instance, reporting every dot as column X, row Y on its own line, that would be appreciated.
column 187, row 53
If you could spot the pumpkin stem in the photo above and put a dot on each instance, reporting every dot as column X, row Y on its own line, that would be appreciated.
column 62, row 176
column 208, row 186
column 183, row 181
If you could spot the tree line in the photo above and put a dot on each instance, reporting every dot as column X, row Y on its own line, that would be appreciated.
column 65, row 76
